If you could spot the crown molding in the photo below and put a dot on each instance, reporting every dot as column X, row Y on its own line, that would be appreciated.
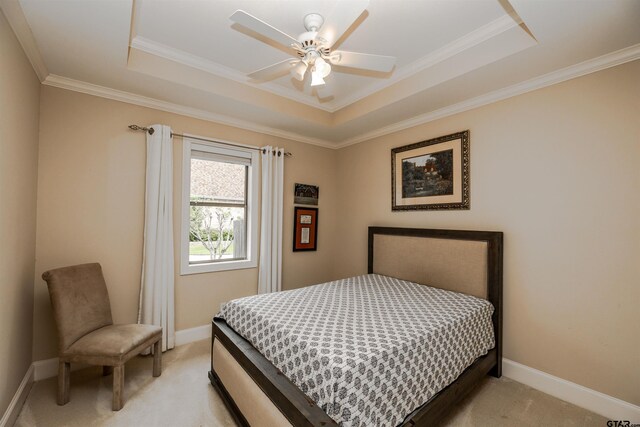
column 197, row 62
column 609, row 60
column 613, row 59
column 143, row 101
column 469, row 40
column 18, row 23
column 466, row 42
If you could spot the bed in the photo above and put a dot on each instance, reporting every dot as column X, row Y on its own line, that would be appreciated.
column 259, row 393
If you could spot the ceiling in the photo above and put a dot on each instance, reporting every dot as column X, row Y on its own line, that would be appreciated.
column 186, row 56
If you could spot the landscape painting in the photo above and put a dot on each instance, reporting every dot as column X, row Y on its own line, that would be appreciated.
column 305, row 194
column 431, row 174
column 428, row 175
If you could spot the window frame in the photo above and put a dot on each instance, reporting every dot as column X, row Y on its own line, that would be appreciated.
column 251, row 217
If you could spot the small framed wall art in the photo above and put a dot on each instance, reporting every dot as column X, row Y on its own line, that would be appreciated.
column 305, row 229
column 432, row 174
column 305, row 194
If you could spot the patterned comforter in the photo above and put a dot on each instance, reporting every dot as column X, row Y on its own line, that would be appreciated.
column 368, row 349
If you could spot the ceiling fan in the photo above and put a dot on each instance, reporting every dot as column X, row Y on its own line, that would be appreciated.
column 314, row 47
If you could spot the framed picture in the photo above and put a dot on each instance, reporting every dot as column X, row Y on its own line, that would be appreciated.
column 305, row 229
column 305, row 194
column 432, row 174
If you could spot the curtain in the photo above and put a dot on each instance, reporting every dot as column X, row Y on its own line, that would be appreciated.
column 157, row 287
column 270, row 274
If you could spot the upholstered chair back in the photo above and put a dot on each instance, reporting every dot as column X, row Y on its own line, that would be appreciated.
column 80, row 301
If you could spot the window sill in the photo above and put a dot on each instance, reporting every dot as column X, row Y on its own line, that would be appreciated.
column 217, row 266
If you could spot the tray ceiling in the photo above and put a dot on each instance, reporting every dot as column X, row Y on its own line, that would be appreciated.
column 451, row 54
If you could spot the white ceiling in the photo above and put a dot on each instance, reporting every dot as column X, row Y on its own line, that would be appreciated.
column 187, row 56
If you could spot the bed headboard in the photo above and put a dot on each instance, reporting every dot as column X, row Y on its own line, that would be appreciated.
column 458, row 260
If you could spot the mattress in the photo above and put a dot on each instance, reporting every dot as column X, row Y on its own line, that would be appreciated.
column 368, row 349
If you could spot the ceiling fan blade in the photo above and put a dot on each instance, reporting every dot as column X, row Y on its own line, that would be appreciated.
column 363, row 61
column 275, row 70
column 341, row 18
column 261, row 27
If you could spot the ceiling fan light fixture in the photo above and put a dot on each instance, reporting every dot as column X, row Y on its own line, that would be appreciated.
column 323, row 67
column 316, row 78
column 299, row 70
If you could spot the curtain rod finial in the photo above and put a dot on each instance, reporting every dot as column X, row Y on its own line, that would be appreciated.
column 136, row 127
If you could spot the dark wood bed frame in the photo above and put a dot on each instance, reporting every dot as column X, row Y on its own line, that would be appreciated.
column 300, row 410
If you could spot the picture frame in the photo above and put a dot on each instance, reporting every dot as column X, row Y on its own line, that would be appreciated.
column 306, row 194
column 431, row 174
column 305, row 229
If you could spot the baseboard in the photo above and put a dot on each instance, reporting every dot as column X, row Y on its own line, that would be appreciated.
column 43, row 369
column 15, row 406
column 198, row 333
column 600, row 403
column 48, row 368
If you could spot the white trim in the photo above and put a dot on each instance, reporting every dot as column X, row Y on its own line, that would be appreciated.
column 597, row 402
column 48, row 368
column 15, row 406
column 198, row 333
column 189, row 145
column 143, row 101
column 609, row 60
column 600, row 403
column 466, row 42
column 176, row 55
column 18, row 23
column 20, row 26
column 43, row 369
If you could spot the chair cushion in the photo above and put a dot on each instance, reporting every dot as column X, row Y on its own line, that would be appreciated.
column 112, row 342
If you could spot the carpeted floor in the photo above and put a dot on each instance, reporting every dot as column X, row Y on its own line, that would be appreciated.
column 183, row 397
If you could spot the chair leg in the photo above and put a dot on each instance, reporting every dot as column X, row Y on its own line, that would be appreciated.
column 118, row 387
column 157, row 358
column 107, row 370
column 64, row 369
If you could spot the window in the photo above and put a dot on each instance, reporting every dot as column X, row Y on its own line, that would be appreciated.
column 219, row 207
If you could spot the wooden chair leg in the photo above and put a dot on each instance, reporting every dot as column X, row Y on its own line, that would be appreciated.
column 64, row 371
column 107, row 370
column 118, row 387
column 157, row 358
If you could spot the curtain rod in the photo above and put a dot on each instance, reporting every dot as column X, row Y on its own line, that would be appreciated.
column 179, row 135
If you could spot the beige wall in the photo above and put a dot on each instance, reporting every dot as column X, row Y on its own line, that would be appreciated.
column 558, row 170
column 91, row 200
column 19, row 109
column 555, row 169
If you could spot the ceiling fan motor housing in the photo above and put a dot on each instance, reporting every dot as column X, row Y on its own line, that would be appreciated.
column 308, row 40
column 312, row 46
column 313, row 22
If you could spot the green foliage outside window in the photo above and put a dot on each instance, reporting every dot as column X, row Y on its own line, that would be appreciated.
column 213, row 228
